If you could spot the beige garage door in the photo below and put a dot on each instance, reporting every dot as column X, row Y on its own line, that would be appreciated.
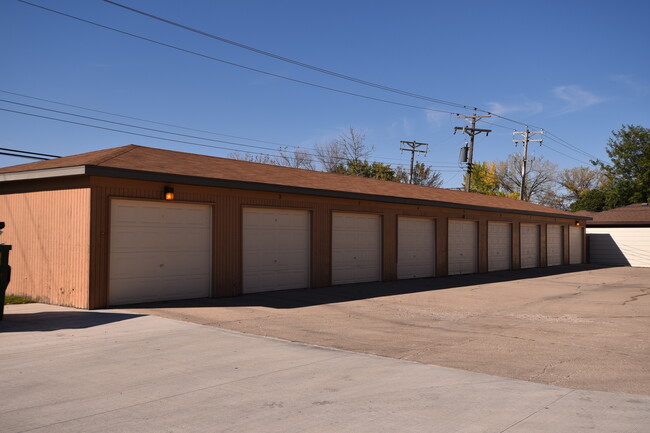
column 356, row 248
column 416, row 254
column 529, row 245
column 462, row 249
column 575, row 244
column 554, row 242
column 499, row 246
column 276, row 249
column 159, row 251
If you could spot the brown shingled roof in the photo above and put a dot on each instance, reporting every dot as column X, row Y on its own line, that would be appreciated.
column 634, row 214
column 146, row 159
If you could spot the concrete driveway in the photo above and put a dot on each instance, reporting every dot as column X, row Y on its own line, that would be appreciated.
column 579, row 327
column 65, row 370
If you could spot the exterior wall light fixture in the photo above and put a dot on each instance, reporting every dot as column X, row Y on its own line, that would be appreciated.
column 169, row 193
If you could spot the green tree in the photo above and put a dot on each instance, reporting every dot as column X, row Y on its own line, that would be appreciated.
column 629, row 170
column 363, row 168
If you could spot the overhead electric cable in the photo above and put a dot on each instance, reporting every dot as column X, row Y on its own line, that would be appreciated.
column 24, row 156
column 312, row 67
column 343, row 76
column 307, row 83
column 141, row 119
column 29, row 153
column 158, row 137
column 169, row 124
column 182, row 135
column 288, row 60
column 138, row 127
column 129, row 132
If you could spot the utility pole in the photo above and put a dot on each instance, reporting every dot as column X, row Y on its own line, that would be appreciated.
column 526, row 139
column 471, row 131
column 413, row 147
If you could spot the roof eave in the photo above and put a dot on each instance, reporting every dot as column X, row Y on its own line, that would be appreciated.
column 93, row 170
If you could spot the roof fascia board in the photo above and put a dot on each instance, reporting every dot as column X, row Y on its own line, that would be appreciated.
column 43, row 174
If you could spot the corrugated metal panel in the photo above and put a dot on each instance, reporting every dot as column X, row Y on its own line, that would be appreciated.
column 49, row 231
column 627, row 246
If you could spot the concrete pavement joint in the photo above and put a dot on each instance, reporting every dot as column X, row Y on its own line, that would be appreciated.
column 537, row 411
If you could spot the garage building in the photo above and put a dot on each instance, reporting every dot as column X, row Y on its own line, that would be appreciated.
column 137, row 224
column 620, row 237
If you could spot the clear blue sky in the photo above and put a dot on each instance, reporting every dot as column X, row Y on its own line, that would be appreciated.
column 578, row 69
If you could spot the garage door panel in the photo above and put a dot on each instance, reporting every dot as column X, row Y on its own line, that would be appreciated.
column 415, row 247
column 499, row 246
column 576, row 239
column 356, row 248
column 462, row 250
column 153, row 256
column 554, row 244
column 529, row 245
column 276, row 249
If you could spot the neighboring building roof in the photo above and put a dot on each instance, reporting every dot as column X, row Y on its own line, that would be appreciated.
column 637, row 214
column 139, row 162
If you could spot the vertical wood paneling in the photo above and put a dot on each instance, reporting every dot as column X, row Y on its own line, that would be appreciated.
column 227, row 231
column 49, row 232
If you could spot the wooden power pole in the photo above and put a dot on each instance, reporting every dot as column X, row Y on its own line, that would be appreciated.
column 471, row 131
column 525, row 140
column 413, row 147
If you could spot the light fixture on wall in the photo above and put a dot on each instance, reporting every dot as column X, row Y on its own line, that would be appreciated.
column 577, row 223
column 169, row 193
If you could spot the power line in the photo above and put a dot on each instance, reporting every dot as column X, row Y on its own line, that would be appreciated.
column 141, row 119
column 163, row 131
column 24, row 156
column 307, row 83
column 323, row 70
column 154, row 136
column 343, row 76
column 30, row 153
column 288, row 60
column 128, row 132
column 138, row 127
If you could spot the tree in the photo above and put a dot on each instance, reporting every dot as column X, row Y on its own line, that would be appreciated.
column 298, row 158
column 629, row 171
column 485, row 180
column 375, row 170
column 578, row 180
column 422, row 175
column 540, row 178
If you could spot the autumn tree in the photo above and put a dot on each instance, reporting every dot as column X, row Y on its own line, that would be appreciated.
column 485, row 180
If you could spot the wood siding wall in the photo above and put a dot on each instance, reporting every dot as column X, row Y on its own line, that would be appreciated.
column 50, row 235
column 227, row 233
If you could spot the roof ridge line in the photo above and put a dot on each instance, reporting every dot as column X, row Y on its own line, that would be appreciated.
column 124, row 150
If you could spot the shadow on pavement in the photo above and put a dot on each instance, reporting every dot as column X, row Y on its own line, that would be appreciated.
column 298, row 298
column 57, row 320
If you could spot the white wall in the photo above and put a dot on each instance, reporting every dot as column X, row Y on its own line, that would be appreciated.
column 619, row 246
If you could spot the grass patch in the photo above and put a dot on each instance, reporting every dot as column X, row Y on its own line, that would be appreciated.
column 10, row 299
